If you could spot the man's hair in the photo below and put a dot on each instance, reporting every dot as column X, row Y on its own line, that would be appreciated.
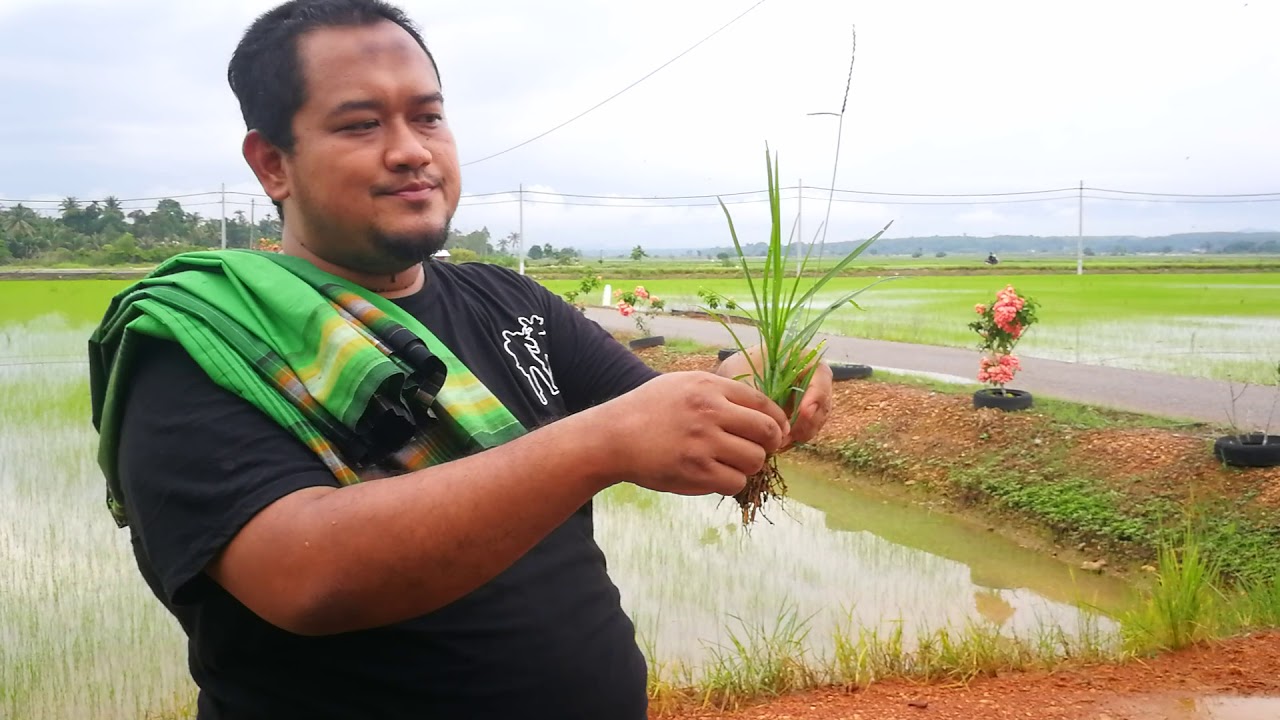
column 265, row 72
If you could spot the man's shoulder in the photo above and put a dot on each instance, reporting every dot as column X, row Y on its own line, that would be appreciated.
column 488, row 278
column 478, row 270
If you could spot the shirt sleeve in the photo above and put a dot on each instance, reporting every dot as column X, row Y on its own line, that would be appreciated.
column 590, row 365
column 196, row 464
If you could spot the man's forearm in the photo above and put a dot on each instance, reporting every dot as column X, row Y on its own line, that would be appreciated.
column 387, row 550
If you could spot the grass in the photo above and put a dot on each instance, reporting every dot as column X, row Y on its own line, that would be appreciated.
column 709, row 268
column 76, row 301
column 1215, row 325
column 767, row 660
column 1078, row 508
column 1188, row 602
column 1207, row 325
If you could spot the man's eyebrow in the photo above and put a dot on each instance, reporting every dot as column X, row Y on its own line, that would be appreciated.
column 356, row 105
column 428, row 99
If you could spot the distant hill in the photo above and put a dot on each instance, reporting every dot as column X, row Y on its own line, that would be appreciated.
column 1239, row 243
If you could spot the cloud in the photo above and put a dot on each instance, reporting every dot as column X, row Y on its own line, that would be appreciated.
column 129, row 97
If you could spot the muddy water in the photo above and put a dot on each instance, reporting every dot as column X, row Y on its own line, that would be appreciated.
column 835, row 552
column 1228, row 708
column 1185, row 706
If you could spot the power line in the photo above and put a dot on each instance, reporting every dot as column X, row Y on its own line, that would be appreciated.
column 623, row 90
column 129, row 204
column 1187, row 195
column 1221, row 200
column 628, row 203
column 119, row 200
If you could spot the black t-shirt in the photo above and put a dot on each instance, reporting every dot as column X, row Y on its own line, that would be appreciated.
column 547, row 638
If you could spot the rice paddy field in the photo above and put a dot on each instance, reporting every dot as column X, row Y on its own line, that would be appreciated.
column 1224, row 325
column 81, row 636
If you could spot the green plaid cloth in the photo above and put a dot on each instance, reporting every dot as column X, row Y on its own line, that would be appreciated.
column 352, row 375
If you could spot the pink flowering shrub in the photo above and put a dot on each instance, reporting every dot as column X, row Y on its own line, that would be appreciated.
column 1001, row 325
column 631, row 304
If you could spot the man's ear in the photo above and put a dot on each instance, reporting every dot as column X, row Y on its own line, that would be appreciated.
column 268, row 164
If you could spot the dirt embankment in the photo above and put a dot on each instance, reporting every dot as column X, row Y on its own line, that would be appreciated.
column 1176, row 686
column 1083, row 483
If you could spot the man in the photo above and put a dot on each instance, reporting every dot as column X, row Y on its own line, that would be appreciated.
column 466, row 588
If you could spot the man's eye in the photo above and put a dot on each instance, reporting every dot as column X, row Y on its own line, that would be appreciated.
column 431, row 118
column 366, row 125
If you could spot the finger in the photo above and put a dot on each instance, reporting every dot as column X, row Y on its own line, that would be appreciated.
column 820, row 387
column 715, row 478
column 741, row 455
column 812, row 417
column 815, row 405
column 751, row 398
column 758, row 428
column 728, row 482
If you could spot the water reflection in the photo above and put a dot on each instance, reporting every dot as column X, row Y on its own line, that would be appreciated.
column 836, row 553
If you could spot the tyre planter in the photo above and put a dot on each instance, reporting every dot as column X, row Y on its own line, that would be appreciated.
column 1006, row 399
column 647, row 342
column 849, row 371
column 1248, row 450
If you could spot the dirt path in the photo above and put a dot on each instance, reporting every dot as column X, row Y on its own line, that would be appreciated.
column 1171, row 396
column 1205, row 683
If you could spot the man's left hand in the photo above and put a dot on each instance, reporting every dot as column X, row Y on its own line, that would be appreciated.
column 815, row 405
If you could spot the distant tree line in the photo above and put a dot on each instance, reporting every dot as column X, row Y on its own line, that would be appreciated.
column 104, row 234
column 1226, row 243
column 101, row 233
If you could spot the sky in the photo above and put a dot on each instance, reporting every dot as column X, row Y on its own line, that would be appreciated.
column 129, row 98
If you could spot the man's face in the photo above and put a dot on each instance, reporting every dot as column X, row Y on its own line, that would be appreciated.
column 373, row 179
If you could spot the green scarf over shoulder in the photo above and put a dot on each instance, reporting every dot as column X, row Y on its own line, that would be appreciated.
column 348, row 372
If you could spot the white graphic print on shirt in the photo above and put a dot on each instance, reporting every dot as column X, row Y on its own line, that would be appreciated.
column 530, row 358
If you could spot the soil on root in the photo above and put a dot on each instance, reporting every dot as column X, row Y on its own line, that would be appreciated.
column 1137, row 690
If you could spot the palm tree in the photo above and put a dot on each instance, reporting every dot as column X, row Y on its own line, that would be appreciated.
column 20, row 221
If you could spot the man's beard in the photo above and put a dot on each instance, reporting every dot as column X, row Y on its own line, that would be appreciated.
column 412, row 249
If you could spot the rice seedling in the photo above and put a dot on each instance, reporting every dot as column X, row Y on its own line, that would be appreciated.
column 783, row 361
column 784, row 366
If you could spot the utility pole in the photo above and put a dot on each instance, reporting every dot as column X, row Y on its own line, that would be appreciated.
column 521, row 228
column 253, row 220
column 224, row 216
column 1080, row 233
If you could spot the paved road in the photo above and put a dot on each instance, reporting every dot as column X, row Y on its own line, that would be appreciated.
column 1171, row 396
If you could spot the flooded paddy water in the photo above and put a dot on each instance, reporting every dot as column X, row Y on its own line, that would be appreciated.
column 1213, row 325
column 81, row 636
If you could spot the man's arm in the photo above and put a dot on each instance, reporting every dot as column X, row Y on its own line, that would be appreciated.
column 329, row 560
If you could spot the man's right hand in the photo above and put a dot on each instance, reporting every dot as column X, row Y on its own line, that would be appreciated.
column 690, row 433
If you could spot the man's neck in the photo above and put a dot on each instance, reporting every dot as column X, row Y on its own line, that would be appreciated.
column 395, row 285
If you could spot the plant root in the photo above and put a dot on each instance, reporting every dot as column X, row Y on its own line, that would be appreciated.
column 762, row 487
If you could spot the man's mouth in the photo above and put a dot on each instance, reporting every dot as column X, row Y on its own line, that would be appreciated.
column 415, row 191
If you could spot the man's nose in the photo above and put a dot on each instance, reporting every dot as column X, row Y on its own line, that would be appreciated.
column 406, row 149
